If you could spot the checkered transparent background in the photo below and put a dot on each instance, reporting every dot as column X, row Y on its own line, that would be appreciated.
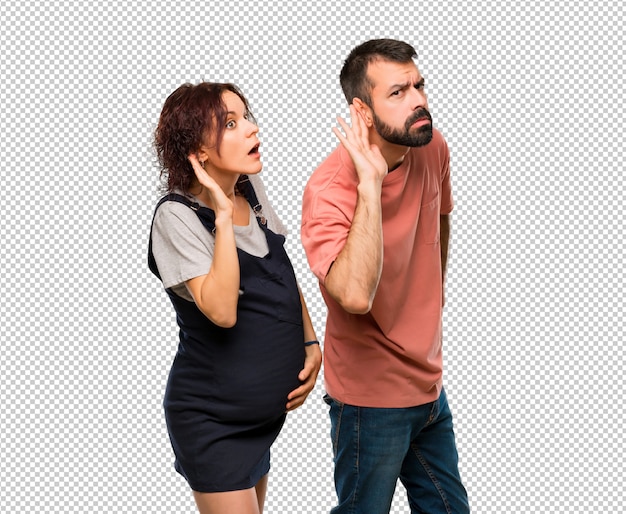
column 530, row 98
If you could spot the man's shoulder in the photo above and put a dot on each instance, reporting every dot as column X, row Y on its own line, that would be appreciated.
column 335, row 170
column 331, row 190
column 335, row 160
column 438, row 135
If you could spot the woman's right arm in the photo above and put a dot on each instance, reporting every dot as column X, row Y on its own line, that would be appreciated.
column 216, row 294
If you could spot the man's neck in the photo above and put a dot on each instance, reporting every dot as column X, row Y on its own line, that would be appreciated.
column 393, row 154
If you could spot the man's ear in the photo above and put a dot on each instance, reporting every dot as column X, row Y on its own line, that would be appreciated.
column 364, row 110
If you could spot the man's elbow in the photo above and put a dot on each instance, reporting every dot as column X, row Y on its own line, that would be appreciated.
column 355, row 303
column 352, row 295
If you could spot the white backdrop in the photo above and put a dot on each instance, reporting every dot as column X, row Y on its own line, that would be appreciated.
column 531, row 101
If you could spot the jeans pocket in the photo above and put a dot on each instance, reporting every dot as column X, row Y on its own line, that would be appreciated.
column 336, row 411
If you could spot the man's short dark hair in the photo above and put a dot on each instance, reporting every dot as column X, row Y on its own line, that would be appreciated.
column 353, row 76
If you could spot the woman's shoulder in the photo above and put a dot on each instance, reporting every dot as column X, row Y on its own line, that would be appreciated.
column 172, row 212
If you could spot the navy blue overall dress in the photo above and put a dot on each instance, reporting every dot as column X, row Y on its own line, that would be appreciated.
column 227, row 388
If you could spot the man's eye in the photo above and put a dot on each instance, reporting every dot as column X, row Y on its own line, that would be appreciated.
column 395, row 93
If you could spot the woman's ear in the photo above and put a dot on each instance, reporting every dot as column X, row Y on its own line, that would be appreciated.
column 202, row 155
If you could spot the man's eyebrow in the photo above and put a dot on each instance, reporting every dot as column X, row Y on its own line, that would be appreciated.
column 398, row 87
column 404, row 85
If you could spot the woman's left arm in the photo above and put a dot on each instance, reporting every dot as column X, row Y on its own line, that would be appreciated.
column 312, row 362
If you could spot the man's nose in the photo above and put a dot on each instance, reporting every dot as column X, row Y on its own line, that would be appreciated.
column 418, row 98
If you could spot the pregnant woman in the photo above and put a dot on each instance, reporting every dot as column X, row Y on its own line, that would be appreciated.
column 247, row 352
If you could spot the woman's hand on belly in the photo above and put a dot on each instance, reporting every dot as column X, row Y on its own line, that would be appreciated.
column 308, row 376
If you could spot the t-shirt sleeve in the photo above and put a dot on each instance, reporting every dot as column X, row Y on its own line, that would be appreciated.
column 273, row 221
column 324, row 232
column 447, row 202
column 182, row 247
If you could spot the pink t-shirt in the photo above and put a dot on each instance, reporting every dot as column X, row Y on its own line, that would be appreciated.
column 391, row 356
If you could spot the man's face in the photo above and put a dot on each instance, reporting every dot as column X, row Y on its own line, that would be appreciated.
column 399, row 104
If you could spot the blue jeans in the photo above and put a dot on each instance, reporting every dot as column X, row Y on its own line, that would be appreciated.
column 373, row 447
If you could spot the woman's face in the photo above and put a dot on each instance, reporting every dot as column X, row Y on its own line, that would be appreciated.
column 239, row 151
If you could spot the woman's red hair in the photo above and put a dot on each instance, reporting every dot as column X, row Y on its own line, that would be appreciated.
column 190, row 115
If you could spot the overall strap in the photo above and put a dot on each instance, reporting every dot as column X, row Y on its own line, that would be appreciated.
column 173, row 197
column 245, row 188
column 207, row 214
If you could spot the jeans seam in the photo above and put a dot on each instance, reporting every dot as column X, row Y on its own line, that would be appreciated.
column 336, row 438
column 432, row 477
column 434, row 413
column 357, row 460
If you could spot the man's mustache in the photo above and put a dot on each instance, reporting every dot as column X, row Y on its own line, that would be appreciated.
column 420, row 114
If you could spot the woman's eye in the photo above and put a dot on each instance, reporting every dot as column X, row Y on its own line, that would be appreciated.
column 230, row 124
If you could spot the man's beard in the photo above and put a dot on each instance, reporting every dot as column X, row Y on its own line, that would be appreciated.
column 405, row 137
